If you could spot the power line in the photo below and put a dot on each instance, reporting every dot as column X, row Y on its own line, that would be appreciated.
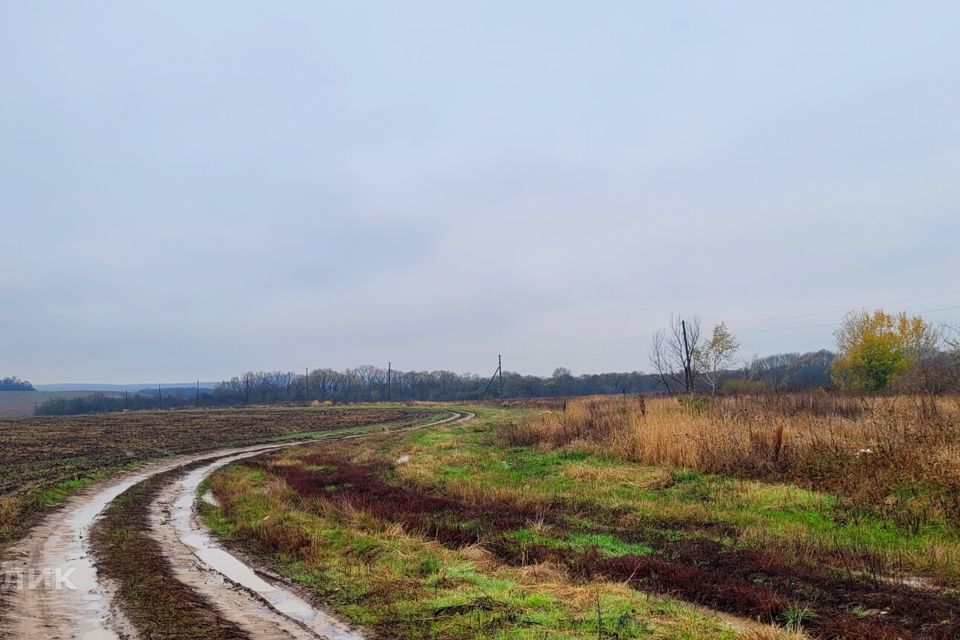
column 839, row 322
column 806, row 326
column 770, row 329
column 577, row 354
column 941, row 309
column 825, row 313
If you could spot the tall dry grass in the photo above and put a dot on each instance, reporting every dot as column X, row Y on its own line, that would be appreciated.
column 9, row 515
column 900, row 455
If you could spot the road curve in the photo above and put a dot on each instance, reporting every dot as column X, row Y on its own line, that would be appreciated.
column 58, row 595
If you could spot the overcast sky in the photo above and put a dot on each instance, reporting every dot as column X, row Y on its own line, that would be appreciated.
column 190, row 190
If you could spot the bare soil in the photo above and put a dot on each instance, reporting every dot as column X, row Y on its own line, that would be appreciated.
column 166, row 608
column 62, row 540
column 40, row 452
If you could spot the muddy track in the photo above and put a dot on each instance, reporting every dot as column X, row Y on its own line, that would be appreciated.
column 53, row 591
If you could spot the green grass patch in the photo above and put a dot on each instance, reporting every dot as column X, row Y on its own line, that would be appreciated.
column 786, row 516
column 401, row 586
column 607, row 544
column 56, row 494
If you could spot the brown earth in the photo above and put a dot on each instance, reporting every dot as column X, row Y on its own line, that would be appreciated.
column 125, row 553
column 41, row 452
column 136, row 558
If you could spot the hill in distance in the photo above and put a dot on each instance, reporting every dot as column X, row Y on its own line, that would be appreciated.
column 91, row 386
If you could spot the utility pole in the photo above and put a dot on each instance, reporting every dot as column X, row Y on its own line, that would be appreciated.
column 500, row 373
column 389, row 380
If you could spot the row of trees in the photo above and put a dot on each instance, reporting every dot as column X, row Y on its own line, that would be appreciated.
column 371, row 384
column 877, row 352
column 137, row 401
column 790, row 371
column 363, row 384
column 15, row 384
column 707, row 362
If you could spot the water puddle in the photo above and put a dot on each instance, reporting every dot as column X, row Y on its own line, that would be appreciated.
column 81, row 594
column 81, row 610
column 197, row 538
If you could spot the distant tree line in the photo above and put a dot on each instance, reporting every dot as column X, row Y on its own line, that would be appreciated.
column 143, row 399
column 15, row 384
column 877, row 353
column 372, row 384
column 375, row 384
column 685, row 360
column 789, row 371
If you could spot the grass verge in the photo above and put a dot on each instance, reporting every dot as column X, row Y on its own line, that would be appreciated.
column 414, row 561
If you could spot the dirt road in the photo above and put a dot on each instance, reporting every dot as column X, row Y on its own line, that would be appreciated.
column 52, row 589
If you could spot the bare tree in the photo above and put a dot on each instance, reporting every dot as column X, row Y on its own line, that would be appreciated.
column 951, row 338
column 673, row 353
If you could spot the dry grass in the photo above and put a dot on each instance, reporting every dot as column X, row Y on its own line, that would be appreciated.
column 9, row 514
column 898, row 455
column 621, row 476
column 373, row 568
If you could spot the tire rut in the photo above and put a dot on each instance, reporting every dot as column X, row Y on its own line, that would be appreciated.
column 56, row 592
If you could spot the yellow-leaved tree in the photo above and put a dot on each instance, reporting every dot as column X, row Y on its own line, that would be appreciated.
column 875, row 348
